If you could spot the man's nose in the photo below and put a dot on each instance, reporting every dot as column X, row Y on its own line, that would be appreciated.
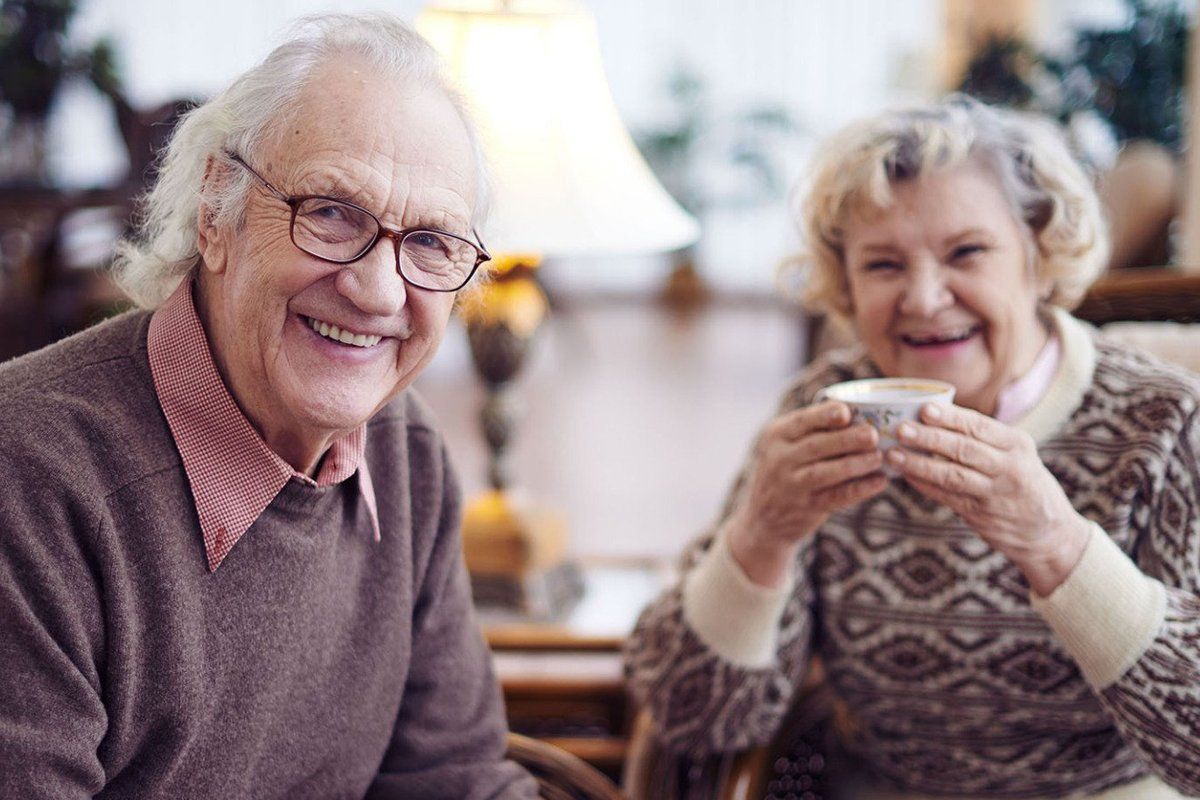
column 926, row 291
column 373, row 283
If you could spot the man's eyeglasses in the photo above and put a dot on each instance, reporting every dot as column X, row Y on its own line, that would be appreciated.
column 341, row 232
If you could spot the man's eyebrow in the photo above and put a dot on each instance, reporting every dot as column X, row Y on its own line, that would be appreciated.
column 338, row 189
column 447, row 222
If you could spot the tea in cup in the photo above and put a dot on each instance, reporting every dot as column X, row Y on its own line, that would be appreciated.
column 883, row 403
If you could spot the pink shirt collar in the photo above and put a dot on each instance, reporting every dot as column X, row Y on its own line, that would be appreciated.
column 1024, row 393
column 234, row 475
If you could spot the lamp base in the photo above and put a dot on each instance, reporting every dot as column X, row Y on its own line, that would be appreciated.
column 516, row 556
column 685, row 289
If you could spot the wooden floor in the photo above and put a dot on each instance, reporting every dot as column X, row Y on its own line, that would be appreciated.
column 635, row 417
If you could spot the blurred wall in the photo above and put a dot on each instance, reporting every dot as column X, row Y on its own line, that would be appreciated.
column 823, row 61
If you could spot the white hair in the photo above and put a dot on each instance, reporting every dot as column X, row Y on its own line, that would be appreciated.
column 1047, row 189
column 162, row 250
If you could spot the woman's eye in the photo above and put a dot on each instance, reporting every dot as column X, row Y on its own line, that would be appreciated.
column 964, row 251
column 881, row 266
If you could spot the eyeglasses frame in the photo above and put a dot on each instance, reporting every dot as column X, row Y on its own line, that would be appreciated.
column 397, row 235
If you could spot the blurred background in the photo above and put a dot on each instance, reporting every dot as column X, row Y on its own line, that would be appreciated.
column 644, row 385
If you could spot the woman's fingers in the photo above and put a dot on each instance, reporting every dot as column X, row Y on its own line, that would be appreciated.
column 816, row 433
column 948, row 475
column 958, row 503
column 967, row 422
column 826, row 416
column 826, row 445
column 953, row 445
column 852, row 492
column 821, row 475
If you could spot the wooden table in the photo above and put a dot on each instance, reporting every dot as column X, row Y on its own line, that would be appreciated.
column 562, row 678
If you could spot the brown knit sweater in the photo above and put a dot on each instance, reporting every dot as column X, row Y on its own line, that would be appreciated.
column 315, row 663
column 950, row 680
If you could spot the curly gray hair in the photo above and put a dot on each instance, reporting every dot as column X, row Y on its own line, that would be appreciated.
column 162, row 250
column 1047, row 190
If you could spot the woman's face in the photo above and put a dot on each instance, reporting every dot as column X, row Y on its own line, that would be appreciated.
column 941, row 286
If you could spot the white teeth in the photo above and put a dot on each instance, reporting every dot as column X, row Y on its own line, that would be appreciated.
column 952, row 336
column 345, row 337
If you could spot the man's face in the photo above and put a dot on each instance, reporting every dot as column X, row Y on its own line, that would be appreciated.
column 395, row 148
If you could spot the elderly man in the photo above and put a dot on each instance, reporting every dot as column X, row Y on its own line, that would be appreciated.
column 229, row 562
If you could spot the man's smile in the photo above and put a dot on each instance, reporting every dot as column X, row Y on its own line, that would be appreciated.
column 342, row 335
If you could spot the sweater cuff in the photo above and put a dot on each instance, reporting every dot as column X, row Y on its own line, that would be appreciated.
column 1106, row 613
column 735, row 617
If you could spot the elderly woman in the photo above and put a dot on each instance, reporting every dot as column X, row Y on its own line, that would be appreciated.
column 1017, row 613
column 229, row 562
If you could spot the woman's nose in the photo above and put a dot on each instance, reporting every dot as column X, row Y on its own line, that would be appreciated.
column 373, row 283
column 926, row 292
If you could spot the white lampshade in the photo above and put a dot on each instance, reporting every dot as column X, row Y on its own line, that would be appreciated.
column 568, row 179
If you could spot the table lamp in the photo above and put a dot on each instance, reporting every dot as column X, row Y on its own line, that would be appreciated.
column 568, row 180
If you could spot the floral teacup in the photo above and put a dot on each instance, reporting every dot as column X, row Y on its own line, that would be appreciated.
column 884, row 403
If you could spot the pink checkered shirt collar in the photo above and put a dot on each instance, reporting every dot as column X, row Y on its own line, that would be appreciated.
column 234, row 475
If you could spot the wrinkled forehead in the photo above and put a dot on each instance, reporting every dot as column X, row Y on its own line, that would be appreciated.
column 871, row 190
column 382, row 135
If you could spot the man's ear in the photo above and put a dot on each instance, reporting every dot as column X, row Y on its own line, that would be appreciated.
column 212, row 240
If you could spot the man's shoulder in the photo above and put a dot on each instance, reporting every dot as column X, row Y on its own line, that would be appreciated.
column 405, row 436
column 83, row 411
column 90, row 357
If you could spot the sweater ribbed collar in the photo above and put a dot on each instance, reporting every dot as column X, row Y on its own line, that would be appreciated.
column 233, row 474
column 1071, row 380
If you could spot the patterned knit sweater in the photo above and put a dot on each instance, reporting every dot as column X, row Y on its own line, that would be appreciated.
column 953, row 680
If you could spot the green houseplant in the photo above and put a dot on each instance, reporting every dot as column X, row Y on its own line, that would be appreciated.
column 699, row 140
column 1132, row 76
column 1119, row 92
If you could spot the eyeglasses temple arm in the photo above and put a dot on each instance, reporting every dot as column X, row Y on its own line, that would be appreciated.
column 484, row 255
column 234, row 157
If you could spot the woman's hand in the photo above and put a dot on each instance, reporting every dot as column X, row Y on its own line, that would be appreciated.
column 808, row 463
column 991, row 476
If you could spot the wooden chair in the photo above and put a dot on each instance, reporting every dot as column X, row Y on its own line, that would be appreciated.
column 560, row 775
column 1159, row 294
column 1155, row 310
column 802, row 760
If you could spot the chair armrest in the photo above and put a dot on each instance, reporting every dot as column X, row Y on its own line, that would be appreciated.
column 560, row 775
column 1142, row 295
column 654, row 773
